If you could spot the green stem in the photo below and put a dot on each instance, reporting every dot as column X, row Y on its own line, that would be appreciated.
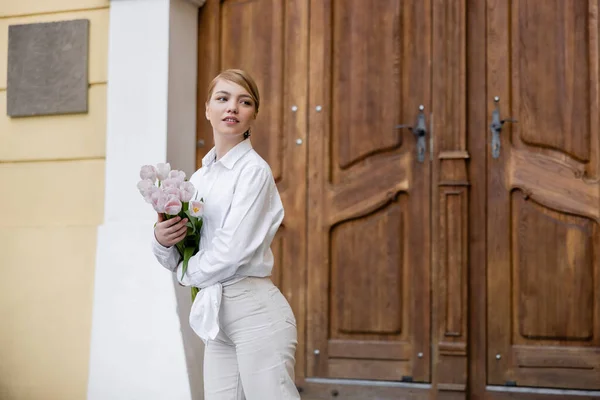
column 195, row 291
column 188, row 252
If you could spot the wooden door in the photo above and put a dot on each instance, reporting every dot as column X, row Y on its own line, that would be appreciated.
column 368, row 303
column 268, row 39
column 543, row 196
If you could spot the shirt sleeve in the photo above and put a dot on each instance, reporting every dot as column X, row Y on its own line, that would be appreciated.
column 168, row 257
column 243, row 232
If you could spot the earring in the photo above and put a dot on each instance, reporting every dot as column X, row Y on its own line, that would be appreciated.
column 247, row 134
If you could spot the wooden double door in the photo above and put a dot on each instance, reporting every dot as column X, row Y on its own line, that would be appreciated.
column 431, row 248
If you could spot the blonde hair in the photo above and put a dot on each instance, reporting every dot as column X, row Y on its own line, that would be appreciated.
column 241, row 78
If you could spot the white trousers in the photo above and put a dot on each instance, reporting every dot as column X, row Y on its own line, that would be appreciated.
column 253, row 356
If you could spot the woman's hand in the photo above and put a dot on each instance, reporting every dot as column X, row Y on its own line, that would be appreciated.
column 170, row 231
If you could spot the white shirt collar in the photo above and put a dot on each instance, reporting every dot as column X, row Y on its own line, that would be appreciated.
column 231, row 157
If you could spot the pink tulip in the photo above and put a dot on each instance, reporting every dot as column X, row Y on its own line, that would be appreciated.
column 145, row 185
column 196, row 208
column 159, row 200
column 170, row 182
column 186, row 191
column 162, row 171
column 172, row 191
column 173, row 205
column 149, row 192
column 148, row 172
column 179, row 176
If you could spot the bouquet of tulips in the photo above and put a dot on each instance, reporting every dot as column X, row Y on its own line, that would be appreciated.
column 170, row 193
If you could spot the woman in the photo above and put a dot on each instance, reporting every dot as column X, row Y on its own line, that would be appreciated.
column 246, row 323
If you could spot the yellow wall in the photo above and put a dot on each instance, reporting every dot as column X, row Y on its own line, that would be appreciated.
column 52, row 195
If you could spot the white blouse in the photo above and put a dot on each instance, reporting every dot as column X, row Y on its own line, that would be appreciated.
column 242, row 212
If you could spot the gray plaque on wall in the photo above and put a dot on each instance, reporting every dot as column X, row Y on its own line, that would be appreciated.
column 48, row 68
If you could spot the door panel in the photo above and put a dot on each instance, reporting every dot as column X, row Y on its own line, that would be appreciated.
column 252, row 38
column 450, row 197
column 249, row 35
column 543, row 195
column 269, row 40
column 368, row 215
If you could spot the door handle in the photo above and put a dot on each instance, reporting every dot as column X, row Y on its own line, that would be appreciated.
column 496, row 128
column 420, row 131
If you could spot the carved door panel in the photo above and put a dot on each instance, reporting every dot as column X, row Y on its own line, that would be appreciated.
column 369, row 195
column 269, row 40
column 543, row 213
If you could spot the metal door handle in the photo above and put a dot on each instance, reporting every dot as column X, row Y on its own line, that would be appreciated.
column 420, row 131
column 496, row 128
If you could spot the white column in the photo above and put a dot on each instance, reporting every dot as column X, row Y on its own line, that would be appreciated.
column 137, row 347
